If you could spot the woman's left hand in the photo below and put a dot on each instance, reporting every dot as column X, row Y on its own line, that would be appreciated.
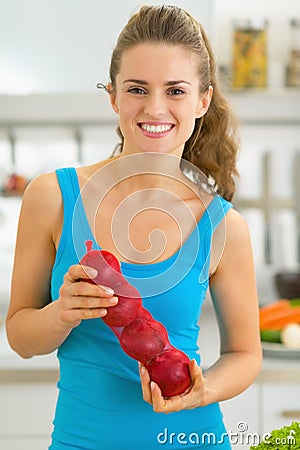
column 193, row 398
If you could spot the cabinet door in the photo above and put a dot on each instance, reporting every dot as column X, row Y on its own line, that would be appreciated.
column 24, row 444
column 241, row 418
column 281, row 405
column 27, row 409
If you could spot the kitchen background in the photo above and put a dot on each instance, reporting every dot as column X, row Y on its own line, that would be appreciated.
column 52, row 54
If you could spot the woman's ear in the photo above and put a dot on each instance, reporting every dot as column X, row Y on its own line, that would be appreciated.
column 112, row 97
column 204, row 102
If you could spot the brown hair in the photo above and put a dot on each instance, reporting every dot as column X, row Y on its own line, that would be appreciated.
column 213, row 145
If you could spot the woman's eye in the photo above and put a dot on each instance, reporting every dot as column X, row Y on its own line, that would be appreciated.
column 175, row 91
column 136, row 90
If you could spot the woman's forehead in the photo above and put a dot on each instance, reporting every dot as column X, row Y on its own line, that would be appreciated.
column 161, row 59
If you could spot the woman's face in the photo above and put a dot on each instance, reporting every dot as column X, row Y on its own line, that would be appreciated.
column 157, row 98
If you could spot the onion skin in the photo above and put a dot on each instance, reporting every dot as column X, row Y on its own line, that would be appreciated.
column 143, row 339
column 129, row 303
column 170, row 370
column 123, row 313
column 107, row 274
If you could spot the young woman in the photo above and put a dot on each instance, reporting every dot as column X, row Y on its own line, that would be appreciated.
column 162, row 207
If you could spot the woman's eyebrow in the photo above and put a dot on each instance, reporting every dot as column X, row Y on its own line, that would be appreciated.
column 167, row 83
column 131, row 80
column 173, row 83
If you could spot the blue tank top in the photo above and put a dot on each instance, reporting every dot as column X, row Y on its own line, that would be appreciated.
column 100, row 404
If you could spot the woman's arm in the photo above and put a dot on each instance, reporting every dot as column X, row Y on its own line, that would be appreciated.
column 234, row 294
column 34, row 324
column 233, row 289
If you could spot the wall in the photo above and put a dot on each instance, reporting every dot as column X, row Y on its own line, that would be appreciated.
column 65, row 45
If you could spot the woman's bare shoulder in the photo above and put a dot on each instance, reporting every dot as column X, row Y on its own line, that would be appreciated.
column 236, row 225
column 43, row 192
column 232, row 240
column 231, row 236
column 42, row 205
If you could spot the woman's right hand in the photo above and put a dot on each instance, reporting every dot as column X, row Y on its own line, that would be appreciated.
column 80, row 300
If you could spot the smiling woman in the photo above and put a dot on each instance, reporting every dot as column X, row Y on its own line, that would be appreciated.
column 214, row 152
column 153, row 106
column 162, row 208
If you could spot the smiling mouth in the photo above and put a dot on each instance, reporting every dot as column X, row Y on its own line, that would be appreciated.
column 156, row 129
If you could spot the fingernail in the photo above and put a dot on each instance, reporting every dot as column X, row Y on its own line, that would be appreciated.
column 91, row 272
column 142, row 370
column 152, row 385
column 108, row 290
column 102, row 312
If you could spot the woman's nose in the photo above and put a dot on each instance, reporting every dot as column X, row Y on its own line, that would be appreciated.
column 155, row 105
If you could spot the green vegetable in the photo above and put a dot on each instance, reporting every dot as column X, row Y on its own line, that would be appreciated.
column 286, row 438
column 294, row 301
column 270, row 335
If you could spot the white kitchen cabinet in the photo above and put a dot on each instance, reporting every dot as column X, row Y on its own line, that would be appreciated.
column 280, row 405
column 263, row 407
column 241, row 417
column 24, row 444
column 26, row 411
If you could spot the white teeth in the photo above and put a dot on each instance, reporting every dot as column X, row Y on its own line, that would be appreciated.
column 155, row 128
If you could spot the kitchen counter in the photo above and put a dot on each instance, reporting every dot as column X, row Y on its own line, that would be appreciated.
column 273, row 369
column 276, row 370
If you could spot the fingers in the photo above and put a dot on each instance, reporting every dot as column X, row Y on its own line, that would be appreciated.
column 77, row 308
column 196, row 373
column 159, row 403
column 152, row 394
column 92, row 300
column 74, row 281
column 87, row 295
column 73, row 317
column 192, row 398
column 145, row 382
column 80, row 300
column 83, row 291
column 78, row 272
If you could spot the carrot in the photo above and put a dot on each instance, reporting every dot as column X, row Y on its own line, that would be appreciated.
column 271, row 308
column 279, row 318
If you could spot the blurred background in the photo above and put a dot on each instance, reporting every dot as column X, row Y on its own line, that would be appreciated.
column 52, row 55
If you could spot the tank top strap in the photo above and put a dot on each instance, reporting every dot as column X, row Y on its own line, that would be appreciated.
column 70, row 191
column 67, row 178
column 215, row 213
column 217, row 210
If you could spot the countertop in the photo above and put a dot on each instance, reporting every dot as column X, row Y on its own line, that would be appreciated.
column 273, row 369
